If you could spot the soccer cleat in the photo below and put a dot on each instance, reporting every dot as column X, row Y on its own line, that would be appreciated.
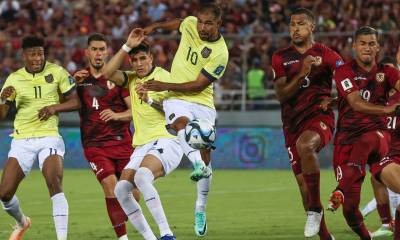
column 335, row 200
column 313, row 223
column 200, row 171
column 19, row 231
column 200, row 224
column 383, row 231
column 168, row 237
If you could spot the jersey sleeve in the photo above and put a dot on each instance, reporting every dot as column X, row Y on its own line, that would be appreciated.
column 393, row 75
column 277, row 67
column 215, row 68
column 66, row 83
column 344, row 82
column 187, row 22
column 333, row 59
column 8, row 83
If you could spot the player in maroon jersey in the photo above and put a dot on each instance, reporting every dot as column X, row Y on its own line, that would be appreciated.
column 361, row 135
column 105, row 127
column 303, row 78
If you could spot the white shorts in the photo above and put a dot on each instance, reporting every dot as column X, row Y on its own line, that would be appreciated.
column 27, row 150
column 175, row 108
column 167, row 150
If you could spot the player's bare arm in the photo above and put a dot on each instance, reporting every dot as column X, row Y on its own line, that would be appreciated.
column 81, row 75
column 284, row 89
column 126, row 116
column 167, row 25
column 360, row 105
column 4, row 107
column 144, row 96
column 110, row 70
column 71, row 103
column 197, row 85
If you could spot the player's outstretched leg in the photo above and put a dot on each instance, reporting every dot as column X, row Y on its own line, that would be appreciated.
column 12, row 176
column 123, row 192
column 383, row 207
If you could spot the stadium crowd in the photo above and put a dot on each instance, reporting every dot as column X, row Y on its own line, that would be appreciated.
column 254, row 27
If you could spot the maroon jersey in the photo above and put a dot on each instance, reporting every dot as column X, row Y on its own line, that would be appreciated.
column 373, row 87
column 392, row 123
column 96, row 95
column 304, row 105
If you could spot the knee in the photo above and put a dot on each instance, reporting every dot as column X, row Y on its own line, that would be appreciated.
column 143, row 176
column 305, row 146
column 179, row 123
column 122, row 188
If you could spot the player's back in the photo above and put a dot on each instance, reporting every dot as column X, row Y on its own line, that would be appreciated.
column 195, row 56
column 32, row 93
column 373, row 87
column 304, row 104
column 96, row 95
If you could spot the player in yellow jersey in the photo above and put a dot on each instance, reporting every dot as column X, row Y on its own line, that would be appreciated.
column 35, row 89
column 157, row 153
column 201, row 59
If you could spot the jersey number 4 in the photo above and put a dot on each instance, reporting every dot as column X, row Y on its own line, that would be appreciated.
column 95, row 103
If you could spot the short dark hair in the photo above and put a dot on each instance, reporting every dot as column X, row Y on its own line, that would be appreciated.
column 211, row 8
column 32, row 41
column 389, row 60
column 366, row 30
column 96, row 37
column 305, row 11
column 142, row 47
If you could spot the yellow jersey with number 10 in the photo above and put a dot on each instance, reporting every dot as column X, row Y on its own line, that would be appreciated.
column 32, row 93
column 195, row 56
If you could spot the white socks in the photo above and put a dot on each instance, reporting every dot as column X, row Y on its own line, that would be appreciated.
column 203, row 187
column 192, row 154
column 13, row 209
column 144, row 181
column 394, row 199
column 123, row 191
column 60, row 215
column 125, row 237
column 371, row 206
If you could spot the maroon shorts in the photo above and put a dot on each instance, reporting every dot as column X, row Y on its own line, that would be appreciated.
column 106, row 161
column 342, row 153
column 323, row 126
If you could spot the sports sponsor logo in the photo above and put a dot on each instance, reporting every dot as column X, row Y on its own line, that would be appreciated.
column 219, row 70
column 346, row 84
column 291, row 62
column 359, row 78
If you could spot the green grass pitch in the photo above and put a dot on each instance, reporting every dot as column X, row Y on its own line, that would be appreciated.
column 243, row 204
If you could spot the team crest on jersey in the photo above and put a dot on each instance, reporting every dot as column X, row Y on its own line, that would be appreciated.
column 323, row 125
column 380, row 77
column 318, row 60
column 206, row 52
column 49, row 78
column 110, row 85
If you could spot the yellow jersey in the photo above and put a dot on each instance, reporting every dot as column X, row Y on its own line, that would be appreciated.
column 32, row 93
column 149, row 123
column 195, row 56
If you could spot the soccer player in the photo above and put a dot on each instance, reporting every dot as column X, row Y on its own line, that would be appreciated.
column 105, row 127
column 35, row 89
column 157, row 153
column 201, row 59
column 362, row 136
column 303, row 78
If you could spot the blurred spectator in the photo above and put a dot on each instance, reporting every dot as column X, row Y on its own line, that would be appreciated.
column 255, row 84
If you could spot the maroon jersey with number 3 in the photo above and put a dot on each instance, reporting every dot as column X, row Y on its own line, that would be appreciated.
column 96, row 95
column 305, row 104
column 373, row 86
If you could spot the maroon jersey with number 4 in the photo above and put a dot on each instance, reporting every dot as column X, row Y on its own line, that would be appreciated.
column 373, row 86
column 305, row 104
column 96, row 95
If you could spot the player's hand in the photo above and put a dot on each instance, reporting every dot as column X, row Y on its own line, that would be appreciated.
column 147, row 30
column 156, row 86
column 108, row 115
column 81, row 75
column 7, row 92
column 136, row 36
column 325, row 104
column 142, row 92
column 308, row 62
column 46, row 112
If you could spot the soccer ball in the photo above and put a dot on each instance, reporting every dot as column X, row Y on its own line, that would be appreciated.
column 200, row 134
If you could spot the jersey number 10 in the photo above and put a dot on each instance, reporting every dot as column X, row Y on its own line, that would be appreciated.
column 192, row 56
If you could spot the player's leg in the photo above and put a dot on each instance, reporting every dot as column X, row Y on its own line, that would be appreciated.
column 123, row 192
column 177, row 116
column 383, row 207
column 394, row 199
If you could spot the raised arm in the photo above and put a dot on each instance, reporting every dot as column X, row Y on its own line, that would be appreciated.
column 167, row 25
column 110, row 70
